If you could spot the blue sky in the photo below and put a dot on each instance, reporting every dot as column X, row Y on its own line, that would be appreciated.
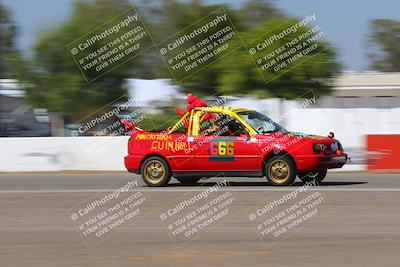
column 345, row 22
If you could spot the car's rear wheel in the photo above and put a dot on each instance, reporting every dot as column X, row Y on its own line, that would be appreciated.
column 155, row 172
column 280, row 170
column 310, row 176
column 188, row 180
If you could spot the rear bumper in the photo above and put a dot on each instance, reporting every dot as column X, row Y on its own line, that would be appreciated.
column 320, row 161
column 132, row 163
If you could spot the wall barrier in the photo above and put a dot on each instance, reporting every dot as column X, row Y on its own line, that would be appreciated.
column 383, row 152
column 106, row 153
column 62, row 153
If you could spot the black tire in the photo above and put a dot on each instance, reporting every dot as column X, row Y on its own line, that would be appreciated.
column 188, row 180
column 310, row 176
column 155, row 172
column 280, row 170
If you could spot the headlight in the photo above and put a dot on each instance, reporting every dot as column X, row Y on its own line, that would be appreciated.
column 334, row 147
column 319, row 148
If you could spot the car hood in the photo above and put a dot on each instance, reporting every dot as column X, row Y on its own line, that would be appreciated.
column 291, row 140
column 296, row 135
column 309, row 136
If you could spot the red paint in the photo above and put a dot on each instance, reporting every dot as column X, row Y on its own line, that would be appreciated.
column 229, row 153
column 383, row 152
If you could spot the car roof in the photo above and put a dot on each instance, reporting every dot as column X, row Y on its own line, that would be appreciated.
column 222, row 109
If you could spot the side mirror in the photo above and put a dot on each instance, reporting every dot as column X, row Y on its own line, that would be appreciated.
column 248, row 137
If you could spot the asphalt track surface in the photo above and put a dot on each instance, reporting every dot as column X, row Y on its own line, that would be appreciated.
column 362, row 227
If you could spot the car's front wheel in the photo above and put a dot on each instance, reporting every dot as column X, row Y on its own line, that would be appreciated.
column 155, row 172
column 310, row 176
column 280, row 170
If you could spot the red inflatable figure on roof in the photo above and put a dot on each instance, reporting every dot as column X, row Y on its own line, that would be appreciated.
column 193, row 102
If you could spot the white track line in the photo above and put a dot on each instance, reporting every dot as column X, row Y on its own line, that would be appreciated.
column 166, row 190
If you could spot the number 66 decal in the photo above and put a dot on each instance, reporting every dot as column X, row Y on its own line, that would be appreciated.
column 222, row 149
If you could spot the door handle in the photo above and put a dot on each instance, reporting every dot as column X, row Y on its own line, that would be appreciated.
column 200, row 143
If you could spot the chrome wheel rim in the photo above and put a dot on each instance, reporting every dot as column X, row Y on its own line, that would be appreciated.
column 154, row 171
column 279, row 171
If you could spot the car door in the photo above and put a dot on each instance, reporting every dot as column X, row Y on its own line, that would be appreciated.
column 179, row 152
column 177, row 148
column 226, row 151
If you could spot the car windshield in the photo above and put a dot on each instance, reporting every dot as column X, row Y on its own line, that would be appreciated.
column 261, row 123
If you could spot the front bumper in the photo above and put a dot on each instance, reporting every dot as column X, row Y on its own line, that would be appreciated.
column 334, row 162
column 320, row 161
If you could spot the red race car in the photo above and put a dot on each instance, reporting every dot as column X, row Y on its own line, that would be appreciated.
column 211, row 141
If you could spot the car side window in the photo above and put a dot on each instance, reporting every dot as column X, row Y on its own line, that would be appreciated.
column 222, row 125
column 232, row 127
column 208, row 126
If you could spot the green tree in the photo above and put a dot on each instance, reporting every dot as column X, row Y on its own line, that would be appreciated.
column 236, row 73
column 8, row 32
column 169, row 18
column 57, row 83
column 255, row 12
column 384, row 45
column 314, row 70
column 250, row 15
